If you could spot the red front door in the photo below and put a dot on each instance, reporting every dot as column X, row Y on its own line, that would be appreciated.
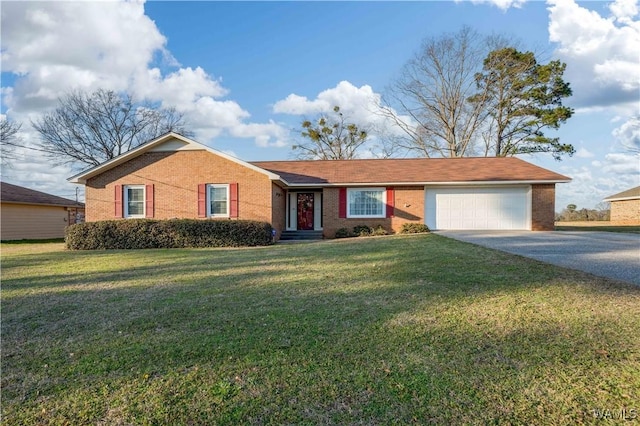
column 305, row 212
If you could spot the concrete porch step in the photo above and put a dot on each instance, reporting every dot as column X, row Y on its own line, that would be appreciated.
column 300, row 235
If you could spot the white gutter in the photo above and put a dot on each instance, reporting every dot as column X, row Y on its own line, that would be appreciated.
column 458, row 183
column 633, row 197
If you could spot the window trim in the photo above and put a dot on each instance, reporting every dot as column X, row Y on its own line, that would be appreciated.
column 208, row 199
column 384, row 203
column 125, row 190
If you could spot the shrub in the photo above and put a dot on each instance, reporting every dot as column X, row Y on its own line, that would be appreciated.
column 362, row 231
column 414, row 228
column 379, row 230
column 145, row 233
column 343, row 233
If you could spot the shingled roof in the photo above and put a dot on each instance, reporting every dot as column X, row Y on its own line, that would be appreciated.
column 414, row 171
column 20, row 195
column 411, row 171
column 629, row 194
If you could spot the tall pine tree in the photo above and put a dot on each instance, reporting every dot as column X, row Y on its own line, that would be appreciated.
column 523, row 98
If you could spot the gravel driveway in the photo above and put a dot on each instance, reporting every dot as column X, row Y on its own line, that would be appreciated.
column 607, row 254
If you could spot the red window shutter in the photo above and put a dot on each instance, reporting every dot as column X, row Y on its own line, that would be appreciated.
column 117, row 201
column 342, row 203
column 233, row 200
column 149, row 201
column 202, row 200
column 390, row 202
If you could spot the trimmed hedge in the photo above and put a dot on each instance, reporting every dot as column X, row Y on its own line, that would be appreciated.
column 173, row 233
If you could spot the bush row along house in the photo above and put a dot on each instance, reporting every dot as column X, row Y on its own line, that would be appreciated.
column 175, row 177
column 27, row 214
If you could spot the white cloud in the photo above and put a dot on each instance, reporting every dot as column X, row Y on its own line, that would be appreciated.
column 181, row 88
column 266, row 135
column 600, row 179
column 583, row 152
column 361, row 105
column 53, row 47
column 628, row 134
column 300, row 105
column 56, row 46
column 196, row 94
column 32, row 169
column 500, row 4
column 355, row 100
column 624, row 10
column 601, row 52
column 622, row 164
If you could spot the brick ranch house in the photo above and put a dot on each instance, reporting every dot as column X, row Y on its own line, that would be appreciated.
column 175, row 177
column 625, row 207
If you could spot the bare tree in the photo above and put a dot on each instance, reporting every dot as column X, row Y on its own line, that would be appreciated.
column 91, row 128
column 433, row 93
column 330, row 138
column 433, row 89
column 8, row 139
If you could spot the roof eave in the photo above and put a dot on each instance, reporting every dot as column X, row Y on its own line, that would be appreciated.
column 80, row 206
column 420, row 183
column 633, row 197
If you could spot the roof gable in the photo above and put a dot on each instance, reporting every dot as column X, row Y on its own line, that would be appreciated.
column 166, row 143
column 20, row 195
column 412, row 171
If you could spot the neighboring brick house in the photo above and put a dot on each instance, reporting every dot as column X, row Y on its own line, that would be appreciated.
column 625, row 207
column 27, row 214
column 175, row 177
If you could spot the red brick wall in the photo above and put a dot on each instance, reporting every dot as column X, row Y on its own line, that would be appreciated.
column 175, row 176
column 279, row 202
column 543, row 200
column 409, row 207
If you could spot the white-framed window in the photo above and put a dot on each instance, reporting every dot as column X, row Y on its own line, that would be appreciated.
column 134, row 201
column 218, row 200
column 366, row 202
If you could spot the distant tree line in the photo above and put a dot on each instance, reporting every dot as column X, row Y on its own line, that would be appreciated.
column 602, row 212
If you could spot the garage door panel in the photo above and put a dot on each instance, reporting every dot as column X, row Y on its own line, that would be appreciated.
column 477, row 208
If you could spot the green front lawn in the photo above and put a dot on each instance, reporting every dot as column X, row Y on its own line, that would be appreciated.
column 404, row 329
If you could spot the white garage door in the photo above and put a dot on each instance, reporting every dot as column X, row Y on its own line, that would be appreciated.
column 478, row 208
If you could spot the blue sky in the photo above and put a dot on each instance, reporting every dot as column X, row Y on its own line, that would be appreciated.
column 245, row 74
